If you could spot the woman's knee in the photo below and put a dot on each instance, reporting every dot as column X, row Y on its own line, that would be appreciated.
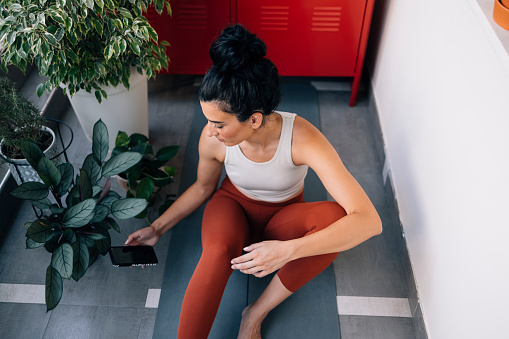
column 328, row 212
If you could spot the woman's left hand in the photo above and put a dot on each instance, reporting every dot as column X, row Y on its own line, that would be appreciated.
column 263, row 258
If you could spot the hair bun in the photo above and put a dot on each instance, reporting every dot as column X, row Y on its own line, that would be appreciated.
column 236, row 49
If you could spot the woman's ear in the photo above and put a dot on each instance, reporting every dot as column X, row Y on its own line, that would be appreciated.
column 256, row 120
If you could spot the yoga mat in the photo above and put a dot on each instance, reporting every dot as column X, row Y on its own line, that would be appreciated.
column 310, row 313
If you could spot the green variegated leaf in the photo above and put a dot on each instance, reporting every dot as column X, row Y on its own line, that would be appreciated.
column 128, row 208
column 31, row 191
column 32, row 153
column 54, row 288
column 79, row 214
column 101, row 211
column 100, row 140
column 48, row 172
column 30, row 244
column 122, row 139
column 41, row 204
column 107, row 201
column 96, row 190
column 67, row 173
column 81, row 258
column 94, row 236
column 120, row 163
column 62, row 260
column 40, row 231
column 91, row 166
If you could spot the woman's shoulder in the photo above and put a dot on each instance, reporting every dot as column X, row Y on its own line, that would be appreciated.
column 210, row 147
column 306, row 139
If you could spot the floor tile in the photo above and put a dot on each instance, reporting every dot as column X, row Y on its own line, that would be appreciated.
column 89, row 322
column 360, row 327
column 22, row 321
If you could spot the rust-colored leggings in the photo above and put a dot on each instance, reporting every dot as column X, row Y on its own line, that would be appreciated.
column 232, row 221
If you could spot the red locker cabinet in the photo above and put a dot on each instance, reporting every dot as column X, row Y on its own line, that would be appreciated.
column 190, row 30
column 303, row 37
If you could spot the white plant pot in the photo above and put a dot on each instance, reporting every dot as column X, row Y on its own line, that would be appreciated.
column 27, row 172
column 124, row 110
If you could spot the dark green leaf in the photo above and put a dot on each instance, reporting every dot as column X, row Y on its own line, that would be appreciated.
column 54, row 288
column 105, row 191
column 40, row 90
column 128, row 208
column 100, row 141
column 69, row 236
column 104, row 244
column 166, row 153
column 136, row 139
column 62, row 260
column 79, row 214
column 120, row 163
column 145, row 188
column 85, row 186
column 31, row 191
column 112, row 223
column 32, row 153
column 48, row 172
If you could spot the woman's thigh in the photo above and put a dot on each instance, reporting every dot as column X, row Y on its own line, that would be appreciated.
column 300, row 219
column 224, row 225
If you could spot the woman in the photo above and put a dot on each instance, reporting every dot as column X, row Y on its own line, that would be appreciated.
column 259, row 207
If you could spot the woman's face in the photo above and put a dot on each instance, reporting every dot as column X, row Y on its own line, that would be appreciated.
column 225, row 126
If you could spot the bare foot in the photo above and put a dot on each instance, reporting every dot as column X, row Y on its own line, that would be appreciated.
column 250, row 327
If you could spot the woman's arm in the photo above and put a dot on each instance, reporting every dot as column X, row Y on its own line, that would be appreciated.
column 209, row 171
column 362, row 222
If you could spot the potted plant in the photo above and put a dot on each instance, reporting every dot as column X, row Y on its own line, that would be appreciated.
column 75, row 228
column 501, row 13
column 149, row 176
column 21, row 120
column 95, row 49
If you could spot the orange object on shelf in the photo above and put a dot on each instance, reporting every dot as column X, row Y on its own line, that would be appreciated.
column 501, row 13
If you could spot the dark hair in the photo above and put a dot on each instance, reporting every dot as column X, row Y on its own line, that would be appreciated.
column 241, row 79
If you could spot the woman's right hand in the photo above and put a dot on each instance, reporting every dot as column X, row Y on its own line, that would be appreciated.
column 145, row 236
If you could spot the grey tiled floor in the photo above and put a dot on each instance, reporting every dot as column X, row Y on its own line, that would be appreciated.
column 110, row 302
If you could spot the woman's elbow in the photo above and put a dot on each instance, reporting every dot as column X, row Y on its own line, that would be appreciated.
column 376, row 224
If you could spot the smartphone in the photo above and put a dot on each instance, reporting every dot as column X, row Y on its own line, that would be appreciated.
column 133, row 256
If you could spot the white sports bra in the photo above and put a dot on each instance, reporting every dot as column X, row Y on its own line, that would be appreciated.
column 273, row 181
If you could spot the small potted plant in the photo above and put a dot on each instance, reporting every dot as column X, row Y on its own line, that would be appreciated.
column 149, row 176
column 21, row 120
column 75, row 227
column 95, row 49
column 501, row 13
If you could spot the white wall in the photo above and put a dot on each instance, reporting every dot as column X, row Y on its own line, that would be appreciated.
column 442, row 93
